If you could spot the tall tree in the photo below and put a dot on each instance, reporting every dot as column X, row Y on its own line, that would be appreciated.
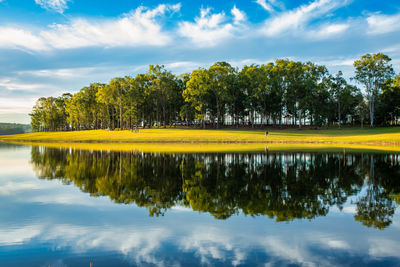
column 222, row 76
column 338, row 85
column 196, row 91
column 372, row 71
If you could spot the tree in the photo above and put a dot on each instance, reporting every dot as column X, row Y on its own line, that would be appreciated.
column 390, row 101
column 372, row 71
column 196, row 90
column 222, row 78
column 249, row 79
column 164, row 85
column 338, row 85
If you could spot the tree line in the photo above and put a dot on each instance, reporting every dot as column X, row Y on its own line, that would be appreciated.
column 14, row 128
column 280, row 93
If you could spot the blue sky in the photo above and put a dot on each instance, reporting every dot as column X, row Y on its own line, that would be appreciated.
column 48, row 47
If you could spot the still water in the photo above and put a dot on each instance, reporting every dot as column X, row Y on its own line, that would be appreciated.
column 68, row 207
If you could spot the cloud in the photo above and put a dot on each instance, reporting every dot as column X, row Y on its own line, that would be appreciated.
column 211, row 244
column 266, row 6
column 384, row 248
column 58, row 6
column 381, row 24
column 298, row 18
column 208, row 29
column 60, row 73
column 12, row 187
column 328, row 31
column 238, row 15
column 10, row 84
column 137, row 28
column 9, row 237
column 20, row 39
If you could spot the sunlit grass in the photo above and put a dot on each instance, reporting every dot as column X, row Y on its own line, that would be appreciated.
column 213, row 147
column 356, row 136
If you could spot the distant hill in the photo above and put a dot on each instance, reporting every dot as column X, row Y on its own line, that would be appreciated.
column 14, row 128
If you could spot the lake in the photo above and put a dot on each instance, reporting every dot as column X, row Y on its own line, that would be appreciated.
column 71, row 207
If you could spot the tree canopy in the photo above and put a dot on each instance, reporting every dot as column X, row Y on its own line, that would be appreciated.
column 281, row 93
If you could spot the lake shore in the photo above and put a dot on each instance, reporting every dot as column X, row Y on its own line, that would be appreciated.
column 389, row 136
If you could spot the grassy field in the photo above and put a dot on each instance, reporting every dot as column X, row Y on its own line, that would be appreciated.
column 377, row 136
column 215, row 147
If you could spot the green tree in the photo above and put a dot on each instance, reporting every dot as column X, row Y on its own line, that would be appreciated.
column 222, row 79
column 196, row 92
column 372, row 71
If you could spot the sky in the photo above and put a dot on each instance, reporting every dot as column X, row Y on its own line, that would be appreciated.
column 48, row 47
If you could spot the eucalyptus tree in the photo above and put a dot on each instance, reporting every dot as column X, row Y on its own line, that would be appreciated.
column 143, row 99
column 222, row 78
column 38, row 115
column 313, row 77
column 196, row 91
column 236, row 99
column 264, row 91
column 116, row 89
column 361, row 110
column 389, row 108
column 294, row 91
column 61, row 103
column 102, row 98
column 249, row 79
column 49, row 114
column 338, row 85
column 187, row 112
column 158, row 77
column 372, row 71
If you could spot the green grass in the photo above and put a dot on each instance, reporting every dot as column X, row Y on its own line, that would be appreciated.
column 216, row 147
column 377, row 136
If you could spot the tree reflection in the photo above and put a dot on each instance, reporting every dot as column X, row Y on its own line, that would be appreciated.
column 281, row 185
column 375, row 206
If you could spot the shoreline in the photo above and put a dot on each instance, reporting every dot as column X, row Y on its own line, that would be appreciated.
column 210, row 147
column 198, row 142
column 383, row 137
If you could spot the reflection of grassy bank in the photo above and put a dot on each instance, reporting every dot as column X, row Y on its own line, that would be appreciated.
column 378, row 136
column 213, row 147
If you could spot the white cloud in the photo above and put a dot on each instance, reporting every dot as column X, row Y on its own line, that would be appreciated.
column 208, row 29
column 381, row 24
column 9, row 237
column 211, row 244
column 328, row 31
column 138, row 28
column 265, row 5
column 11, row 84
column 16, row 105
column 238, row 15
column 384, row 248
column 58, row 6
column 60, row 73
column 297, row 19
column 11, row 188
column 20, row 39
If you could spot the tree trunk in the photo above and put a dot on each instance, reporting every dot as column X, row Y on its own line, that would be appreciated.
column 339, row 114
column 371, row 110
column 300, row 119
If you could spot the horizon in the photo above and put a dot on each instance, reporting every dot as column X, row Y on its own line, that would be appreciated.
column 53, row 46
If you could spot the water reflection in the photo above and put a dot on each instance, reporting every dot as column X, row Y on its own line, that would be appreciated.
column 280, row 185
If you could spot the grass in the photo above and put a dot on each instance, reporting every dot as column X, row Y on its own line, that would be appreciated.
column 172, row 140
column 215, row 147
column 377, row 136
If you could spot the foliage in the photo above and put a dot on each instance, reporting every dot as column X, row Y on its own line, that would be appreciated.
column 372, row 71
column 280, row 185
column 280, row 93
